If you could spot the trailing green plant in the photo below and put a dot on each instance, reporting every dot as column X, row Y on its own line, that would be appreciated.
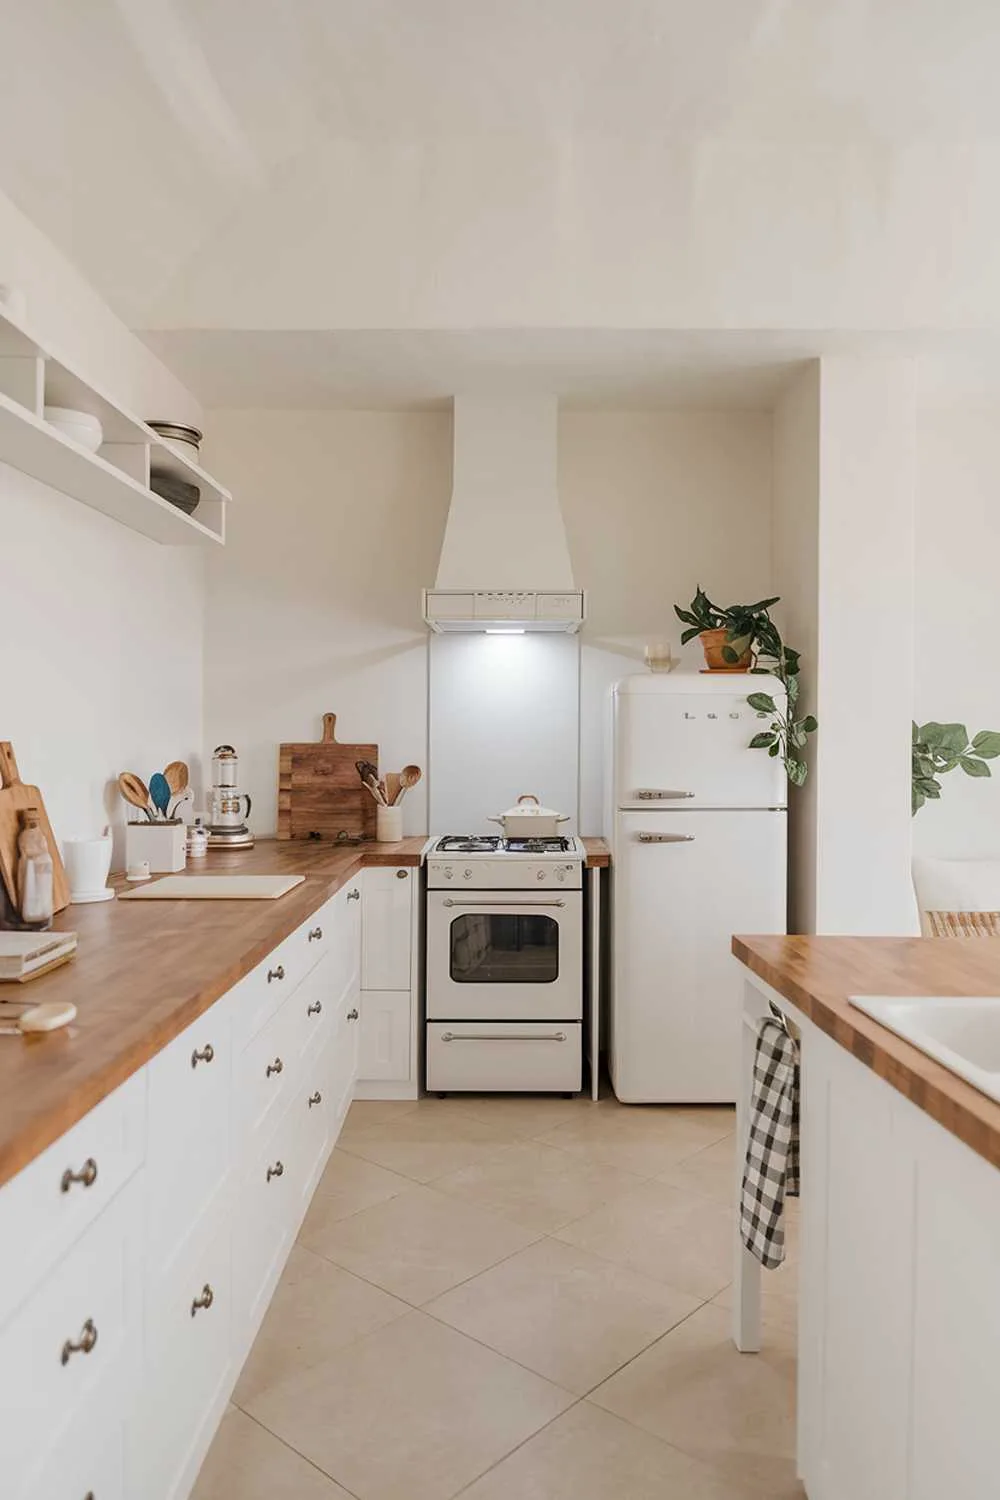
column 939, row 748
column 749, row 627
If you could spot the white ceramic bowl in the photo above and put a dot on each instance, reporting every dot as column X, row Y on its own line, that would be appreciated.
column 78, row 425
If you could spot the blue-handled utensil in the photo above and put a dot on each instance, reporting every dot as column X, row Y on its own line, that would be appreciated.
column 159, row 791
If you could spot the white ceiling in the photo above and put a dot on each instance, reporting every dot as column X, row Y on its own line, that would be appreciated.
column 588, row 368
column 182, row 151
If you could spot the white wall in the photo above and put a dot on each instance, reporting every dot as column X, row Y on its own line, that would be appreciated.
column 655, row 503
column 314, row 604
column 102, row 668
column 796, row 579
column 957, row 665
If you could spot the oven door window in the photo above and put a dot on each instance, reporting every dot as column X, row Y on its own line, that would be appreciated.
column 489, row 948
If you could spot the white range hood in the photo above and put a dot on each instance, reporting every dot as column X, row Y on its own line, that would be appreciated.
column 504, row 560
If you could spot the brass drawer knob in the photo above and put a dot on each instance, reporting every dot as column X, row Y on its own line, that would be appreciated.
column 278, row 972
column 315, row 933
column 276, row 1067
column 352, row 1015
column 354, row 895
column 402, row 874
column 82, row 1345
column 87, row 1175
column 315, row 1009
column 205, row 1300
column 203, row 1054
column 316, row 1098
column 276, row 1171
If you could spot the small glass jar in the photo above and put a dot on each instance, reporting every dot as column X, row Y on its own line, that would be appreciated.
column 34, row 872
column 659, row 657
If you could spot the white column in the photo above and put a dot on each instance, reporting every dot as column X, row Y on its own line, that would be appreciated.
column 844, row 561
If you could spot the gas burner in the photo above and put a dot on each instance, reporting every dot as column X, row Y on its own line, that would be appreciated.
column 555, row 845
column 465, row 843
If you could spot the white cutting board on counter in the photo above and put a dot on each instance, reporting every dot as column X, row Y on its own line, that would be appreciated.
column 215, row 888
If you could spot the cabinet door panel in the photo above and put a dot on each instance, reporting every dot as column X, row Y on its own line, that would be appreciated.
column 386, row 929
column 385, row 1035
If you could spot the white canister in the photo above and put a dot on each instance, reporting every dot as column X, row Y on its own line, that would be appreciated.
column 388, row 824
column 164, row 845
column 87, row 864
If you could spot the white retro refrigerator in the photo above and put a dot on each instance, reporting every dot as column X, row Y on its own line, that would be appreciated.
column 699, row 840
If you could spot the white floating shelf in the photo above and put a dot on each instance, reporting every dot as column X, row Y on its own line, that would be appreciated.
column 115, row 480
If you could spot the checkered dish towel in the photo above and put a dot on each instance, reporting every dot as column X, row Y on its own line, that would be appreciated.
column 772, row 1164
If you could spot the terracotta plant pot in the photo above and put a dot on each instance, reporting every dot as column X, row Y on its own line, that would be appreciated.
column 712, row 643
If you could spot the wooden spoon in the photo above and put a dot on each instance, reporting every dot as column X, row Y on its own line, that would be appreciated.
column 408, row 776
column 391, row 787
column 135, row 791
column 177, row 777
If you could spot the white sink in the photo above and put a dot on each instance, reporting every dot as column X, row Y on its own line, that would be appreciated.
column 961, row 1034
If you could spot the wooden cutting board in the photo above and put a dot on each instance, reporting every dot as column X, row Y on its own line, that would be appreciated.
column 320, row 794
column 14, row 798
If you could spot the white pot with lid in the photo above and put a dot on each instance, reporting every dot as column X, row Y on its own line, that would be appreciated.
column 527, row 819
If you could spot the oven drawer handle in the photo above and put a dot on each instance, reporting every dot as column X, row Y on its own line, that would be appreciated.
column 532, row 904
column 665, row 838
column 503, row 1036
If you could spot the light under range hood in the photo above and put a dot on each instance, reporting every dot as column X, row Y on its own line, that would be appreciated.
column 505, row 563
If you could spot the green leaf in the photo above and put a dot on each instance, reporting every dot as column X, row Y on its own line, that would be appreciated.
column 764, row 740
column 684, row 615
column 763, row 703
column 973, row 767
column 810, row 724
column 917, row 800
column 774, row 750
column 987, row 744
column 931, row 788
column 954, row 737
column 689, row 635
column 797, row 771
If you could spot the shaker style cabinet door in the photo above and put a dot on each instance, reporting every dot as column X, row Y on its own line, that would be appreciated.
column 386, row 924
column 385, row 1035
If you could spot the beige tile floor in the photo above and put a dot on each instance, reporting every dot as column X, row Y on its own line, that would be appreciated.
column 515, row 1297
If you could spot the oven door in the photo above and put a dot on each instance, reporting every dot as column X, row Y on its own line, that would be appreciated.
column 505, row 955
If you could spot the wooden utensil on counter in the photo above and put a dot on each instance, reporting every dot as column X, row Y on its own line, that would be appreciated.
column 15, row 798
column 135, row 791
column 392, row 787
column 408, row 776
column 320, row 795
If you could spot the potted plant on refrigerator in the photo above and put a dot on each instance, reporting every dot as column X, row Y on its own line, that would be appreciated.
column 728, row 635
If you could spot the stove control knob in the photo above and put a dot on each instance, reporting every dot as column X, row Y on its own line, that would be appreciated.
column 560, row 873
column 447, row 872
column 467, row 875
column 540, row 875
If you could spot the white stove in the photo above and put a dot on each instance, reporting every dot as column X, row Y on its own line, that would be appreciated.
column 504, row 964
column 488, row 862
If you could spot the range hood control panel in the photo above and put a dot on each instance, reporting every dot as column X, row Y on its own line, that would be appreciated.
column 455, row 609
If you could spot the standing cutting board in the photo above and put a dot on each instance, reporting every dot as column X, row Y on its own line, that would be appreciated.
column 15, row 797
column 320, row 794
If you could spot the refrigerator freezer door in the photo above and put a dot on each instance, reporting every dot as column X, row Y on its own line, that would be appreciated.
column 691, row 750
column 684, row 884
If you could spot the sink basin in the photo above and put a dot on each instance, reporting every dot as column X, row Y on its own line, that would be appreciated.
column 963, row 1034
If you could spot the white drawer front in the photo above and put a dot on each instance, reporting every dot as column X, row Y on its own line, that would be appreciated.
column 266, row 1075
column 264, row 1221
column 48, row 1205
column 188, row 1152
column 72, row 1352
column 310, row 1124
column 385, row 1034
column 491, row 1058
column 386, row 928
column 88, row 1461
column 189, row 1313
column 266, row 988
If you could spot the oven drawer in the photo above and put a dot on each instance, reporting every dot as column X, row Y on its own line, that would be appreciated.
column 485, row 1057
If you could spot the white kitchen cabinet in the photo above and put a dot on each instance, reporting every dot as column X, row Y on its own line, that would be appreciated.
column 385, row 1035
column 899, row 1312
column 148, row 1239
column 390, row 993
column 386, row 923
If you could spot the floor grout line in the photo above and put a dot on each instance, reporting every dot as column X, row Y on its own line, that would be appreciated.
column 292, row 1449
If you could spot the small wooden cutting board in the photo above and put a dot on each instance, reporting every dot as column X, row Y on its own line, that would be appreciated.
column 320, row 794
column 15, row 797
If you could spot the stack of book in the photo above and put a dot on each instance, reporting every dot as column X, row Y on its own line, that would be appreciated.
column 26, row 955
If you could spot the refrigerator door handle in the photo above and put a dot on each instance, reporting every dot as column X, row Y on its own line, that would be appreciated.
column 655, row 794
column 665, row 838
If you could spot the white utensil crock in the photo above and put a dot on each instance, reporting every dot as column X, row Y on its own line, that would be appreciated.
column 87, row 864
column 388, row 824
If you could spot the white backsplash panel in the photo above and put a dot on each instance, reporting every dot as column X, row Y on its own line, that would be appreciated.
column 504, row 719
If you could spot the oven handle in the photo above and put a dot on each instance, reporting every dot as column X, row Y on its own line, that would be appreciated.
column 524, row 901
column 503, row 1036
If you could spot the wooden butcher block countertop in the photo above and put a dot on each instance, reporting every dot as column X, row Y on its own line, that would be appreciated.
column 818, row 974
column 146, row 969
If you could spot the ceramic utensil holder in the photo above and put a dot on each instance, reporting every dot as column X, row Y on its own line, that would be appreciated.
column 164, row 845
column 87, row 864
column 388, row 824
